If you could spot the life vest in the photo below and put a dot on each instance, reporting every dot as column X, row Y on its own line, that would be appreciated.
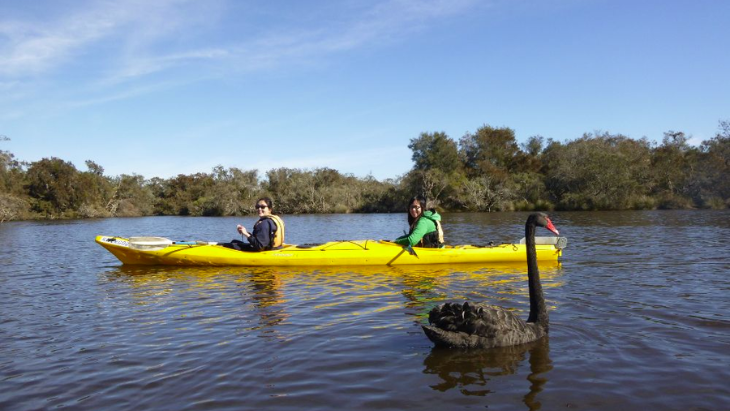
column 434, row 239
column 277, row 236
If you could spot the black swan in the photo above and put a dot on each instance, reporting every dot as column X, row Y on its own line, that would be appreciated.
column 485, row 326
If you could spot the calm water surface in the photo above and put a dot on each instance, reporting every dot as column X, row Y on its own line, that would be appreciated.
column 638, row 308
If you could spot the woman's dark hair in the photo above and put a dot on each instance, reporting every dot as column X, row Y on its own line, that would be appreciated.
column 268, row 202
column 421, row 202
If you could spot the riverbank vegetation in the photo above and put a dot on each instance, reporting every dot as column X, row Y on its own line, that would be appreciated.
column 483, row 171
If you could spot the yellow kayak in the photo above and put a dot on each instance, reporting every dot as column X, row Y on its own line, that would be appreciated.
column 162, row 251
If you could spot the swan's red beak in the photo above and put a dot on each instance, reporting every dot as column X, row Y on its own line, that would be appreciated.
column 551, row 227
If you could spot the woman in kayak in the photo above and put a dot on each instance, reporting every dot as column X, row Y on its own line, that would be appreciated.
column 268, row 231
column 425, row 226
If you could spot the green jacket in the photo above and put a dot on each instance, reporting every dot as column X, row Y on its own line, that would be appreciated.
column 425, row 225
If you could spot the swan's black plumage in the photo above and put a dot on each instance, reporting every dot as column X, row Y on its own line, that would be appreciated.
column 470, row 325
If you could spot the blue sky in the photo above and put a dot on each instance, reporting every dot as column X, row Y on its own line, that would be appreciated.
column 167, row 87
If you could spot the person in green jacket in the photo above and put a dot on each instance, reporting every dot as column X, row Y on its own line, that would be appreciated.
column 425, row 226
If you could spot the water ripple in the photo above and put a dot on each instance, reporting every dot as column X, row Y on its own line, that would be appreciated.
column 638, row 312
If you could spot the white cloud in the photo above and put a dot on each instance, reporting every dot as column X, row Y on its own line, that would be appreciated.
column 38, row 46
column 129, row 48
column 382, row 22
column 141, row 32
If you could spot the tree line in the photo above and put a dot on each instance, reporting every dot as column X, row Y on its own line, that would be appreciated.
column 482, row 171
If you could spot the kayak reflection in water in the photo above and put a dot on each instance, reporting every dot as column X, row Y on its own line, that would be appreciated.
column 425, row 226
column 268, row 232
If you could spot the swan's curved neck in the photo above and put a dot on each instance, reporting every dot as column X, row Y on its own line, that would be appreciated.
column 538, row 310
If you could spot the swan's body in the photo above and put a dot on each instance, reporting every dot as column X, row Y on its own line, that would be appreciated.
column 484, row 326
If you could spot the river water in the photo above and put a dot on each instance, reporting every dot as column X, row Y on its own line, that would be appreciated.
column 638, row 309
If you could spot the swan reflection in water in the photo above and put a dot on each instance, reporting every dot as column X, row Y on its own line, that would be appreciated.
column 471, row 371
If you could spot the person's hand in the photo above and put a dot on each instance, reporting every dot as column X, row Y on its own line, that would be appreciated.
column 241, row 229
